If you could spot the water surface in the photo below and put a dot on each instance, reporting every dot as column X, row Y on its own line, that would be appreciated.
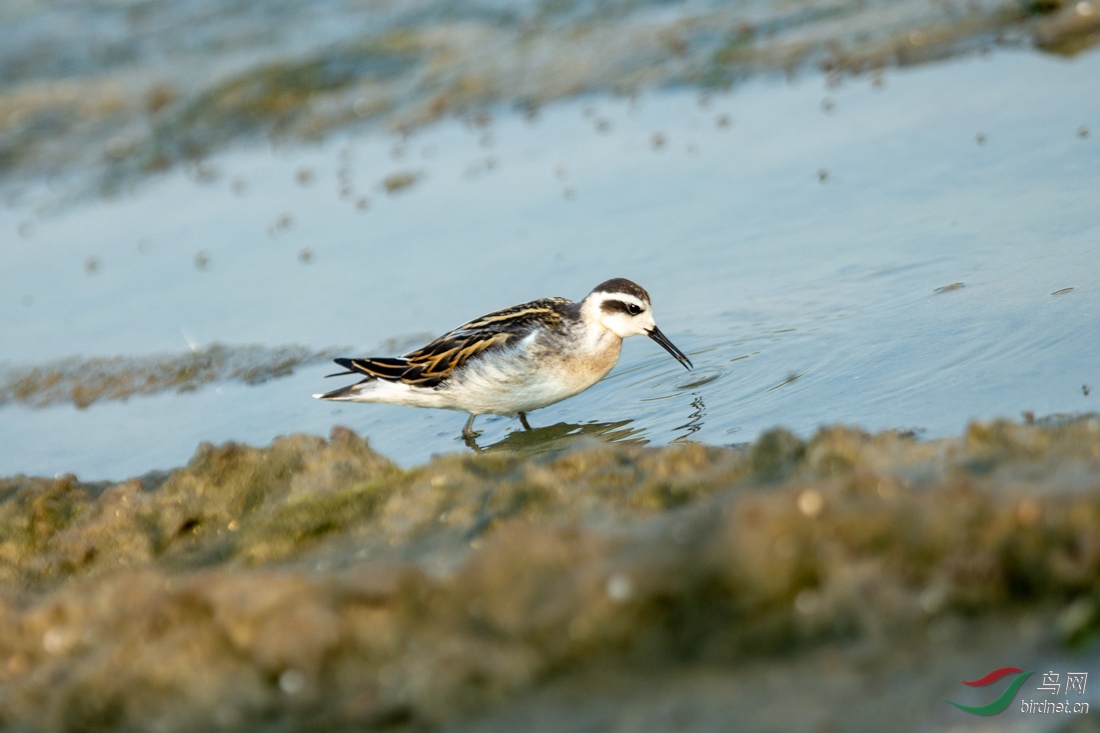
column 798, row 239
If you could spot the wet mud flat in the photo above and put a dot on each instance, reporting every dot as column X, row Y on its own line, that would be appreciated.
column 121, row 91
column 844, row 582
column 84, row 382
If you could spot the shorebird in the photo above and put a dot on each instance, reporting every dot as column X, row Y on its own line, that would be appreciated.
column 512, row 361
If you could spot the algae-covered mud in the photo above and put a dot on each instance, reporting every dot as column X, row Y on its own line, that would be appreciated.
column 845, row 582
column 83, row 382
column 132, row 88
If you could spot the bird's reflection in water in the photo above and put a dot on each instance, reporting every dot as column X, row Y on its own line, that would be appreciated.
column 695, row 420
column 561, row 435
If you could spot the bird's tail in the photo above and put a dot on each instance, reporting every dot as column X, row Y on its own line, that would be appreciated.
column 384, row 368
column 344, row 393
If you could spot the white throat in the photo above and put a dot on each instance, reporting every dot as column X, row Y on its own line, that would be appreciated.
column 592, row 320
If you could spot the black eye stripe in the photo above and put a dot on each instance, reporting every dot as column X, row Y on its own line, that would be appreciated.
column 618, row 306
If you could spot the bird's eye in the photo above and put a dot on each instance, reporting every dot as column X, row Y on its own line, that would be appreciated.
column 633, row 309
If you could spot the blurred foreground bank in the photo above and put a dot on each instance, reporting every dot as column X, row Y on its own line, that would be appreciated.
column 844, row 583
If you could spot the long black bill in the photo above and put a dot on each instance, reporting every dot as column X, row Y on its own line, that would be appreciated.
column 656, row 335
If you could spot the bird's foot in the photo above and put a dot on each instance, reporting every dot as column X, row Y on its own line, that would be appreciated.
column 468, row 432
column 523, row 420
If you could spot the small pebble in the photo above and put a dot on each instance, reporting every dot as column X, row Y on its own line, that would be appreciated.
column 807, row 602
column 292, row 681
column 619, row 588
column 281, row 224
column 811, row 502
column 400, row 181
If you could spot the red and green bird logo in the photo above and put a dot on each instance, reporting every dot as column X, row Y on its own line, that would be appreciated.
column 1005, row 698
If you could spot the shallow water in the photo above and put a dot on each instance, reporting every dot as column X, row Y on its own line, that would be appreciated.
column 798, row 241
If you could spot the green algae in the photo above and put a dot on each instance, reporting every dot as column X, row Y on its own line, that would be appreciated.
column 313, row 583
column 1068, row 28
column 275, row 97
column 84, row 382
column 129, row 114
column 287, row 493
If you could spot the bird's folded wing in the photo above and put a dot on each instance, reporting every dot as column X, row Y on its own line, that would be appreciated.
column 435, row 362
column 432, row 364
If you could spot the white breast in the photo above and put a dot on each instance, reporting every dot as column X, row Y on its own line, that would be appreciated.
column 531, row 375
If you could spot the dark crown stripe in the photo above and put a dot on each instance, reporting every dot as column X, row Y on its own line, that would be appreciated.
column 622, row 285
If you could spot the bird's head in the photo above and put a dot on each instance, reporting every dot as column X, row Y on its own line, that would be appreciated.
column 623, row 308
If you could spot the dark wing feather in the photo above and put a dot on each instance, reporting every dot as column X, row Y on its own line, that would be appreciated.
column 429, row 365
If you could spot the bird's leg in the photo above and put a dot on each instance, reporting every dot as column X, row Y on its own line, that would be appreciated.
column 469, row 434
column 523, row 419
